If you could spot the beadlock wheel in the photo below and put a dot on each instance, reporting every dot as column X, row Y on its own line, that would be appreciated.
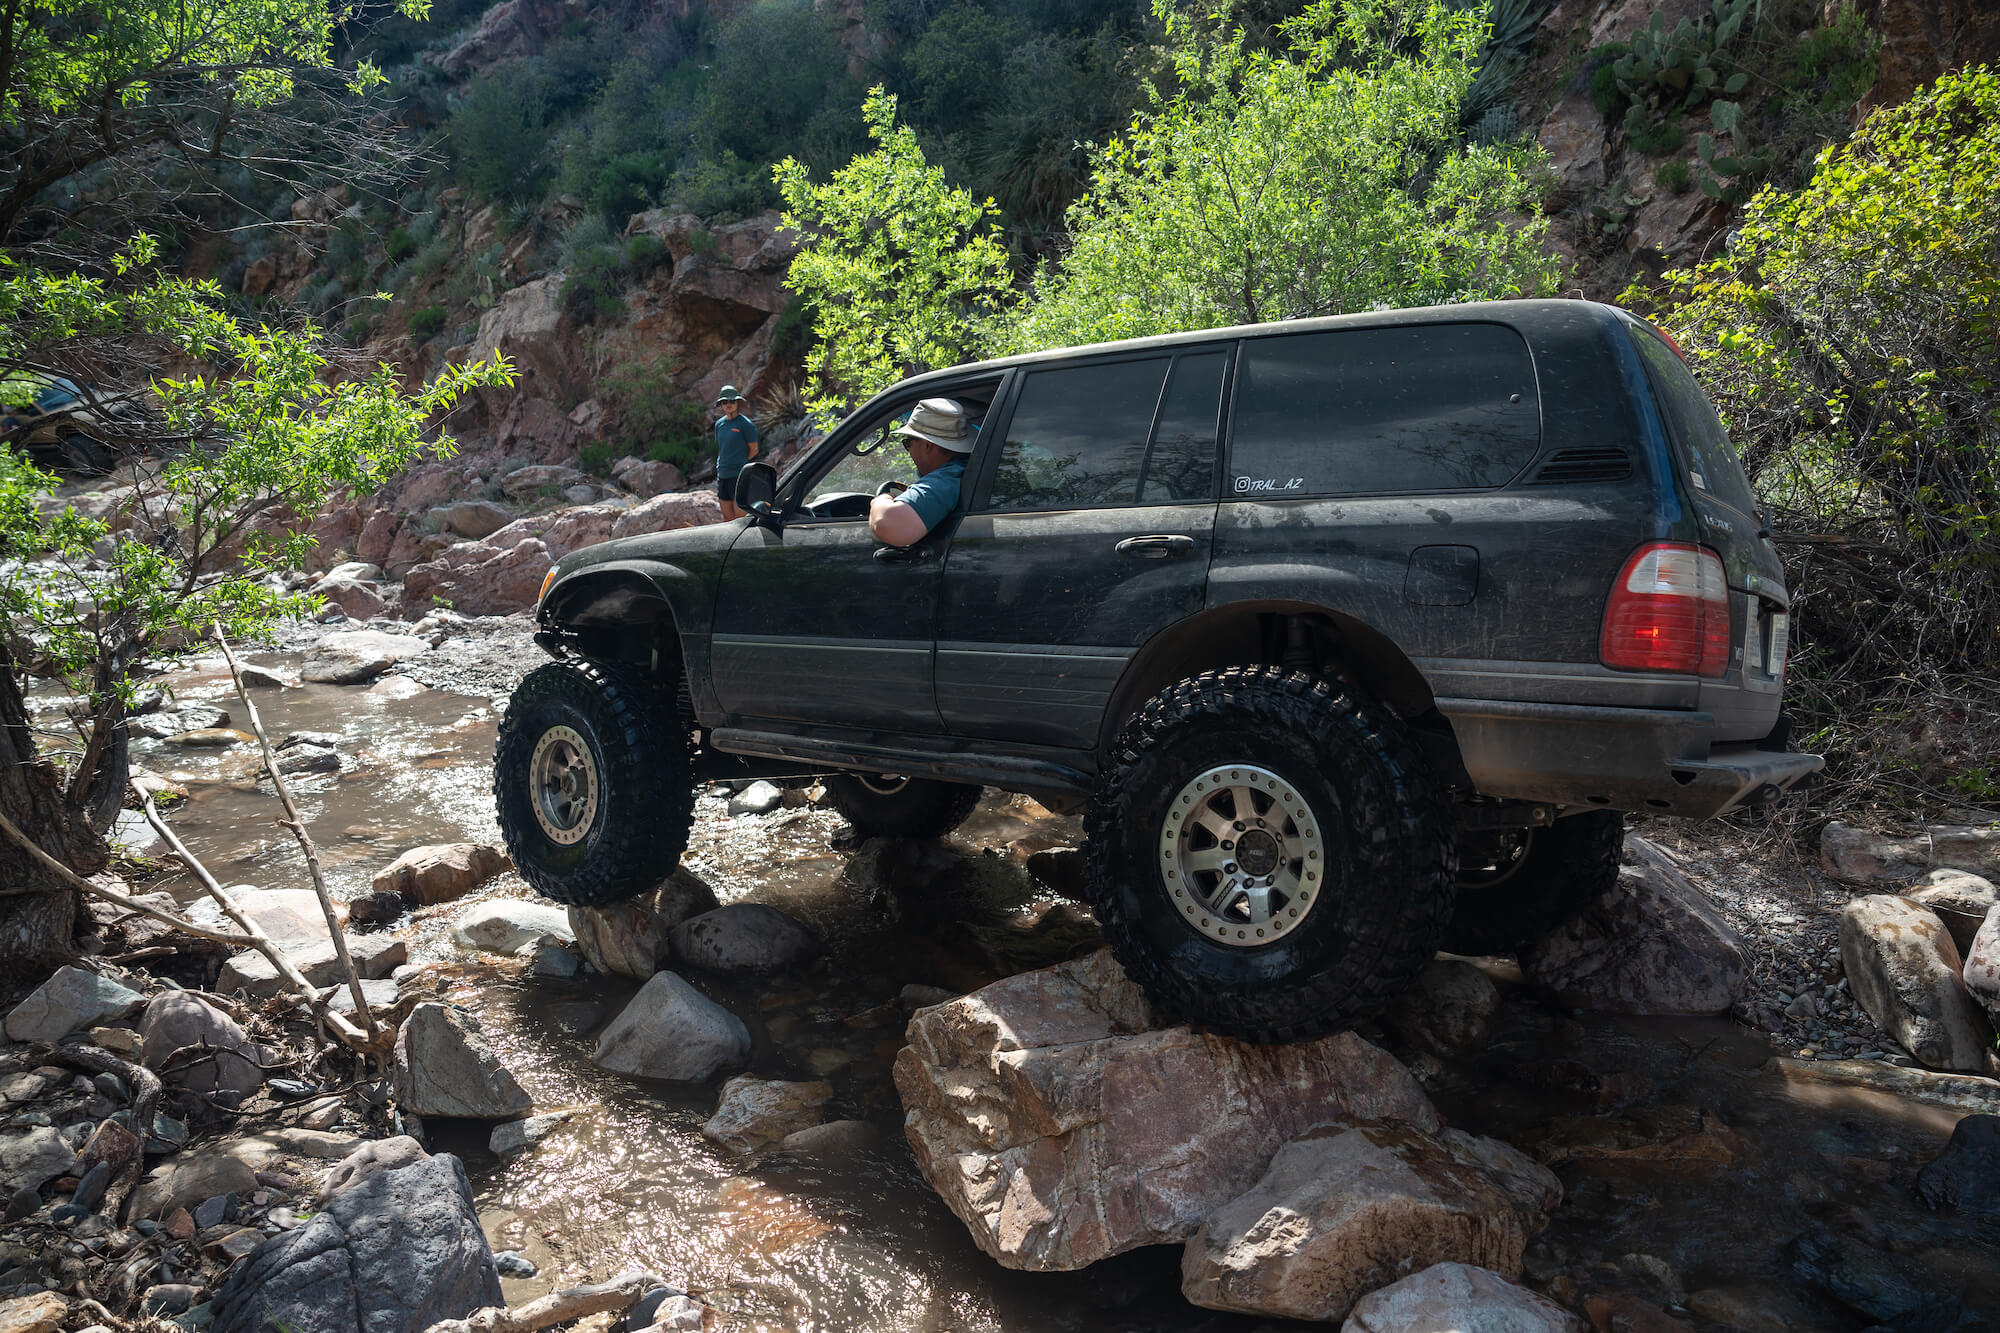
column 565, row 785
column 1242, row 855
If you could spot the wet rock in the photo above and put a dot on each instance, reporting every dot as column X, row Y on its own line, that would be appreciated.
column 1652, row 944
column 369, row 1160
column 212, row 738
column 1966, row 1176
column 445, row 1068
column 744, row 939
column 1344, row 1212
column 1017, row 1094
column 353, row 657
column 504, row 925
column 397, row 687
column 436, row 874
column 671, row 1030
column 267, row 678
column 1960, row 899
column 631, row 939
column 759, row 798
column 472, row 519
column 376, row 909
column 219, row 1055
column 677, row 1314
column 1904, row 970
column 378, row 993
column 31, row 1160
column 1887, row 1288
column 1459, row 1297
column 1449, row 1009
column 189, row 1180
column 395, row 1252
column 1981, row 972
column 666, row 513
column 547, row 958
column 1059, row 868
column 510, row 1264
column 304, row 758
column 375, row 957
column 836, row 1139
column 43, row 1312
column 160, row 726
column 1749, row 1309
column 70, row 1001
column 517, row 1136
column 756, row 1112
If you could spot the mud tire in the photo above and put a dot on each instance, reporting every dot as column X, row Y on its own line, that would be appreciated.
column 627, row 722
column 1567, row 865
column 920, row 808
column 1387, row 825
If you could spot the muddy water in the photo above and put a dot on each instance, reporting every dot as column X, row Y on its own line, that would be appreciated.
column 1673, row 1139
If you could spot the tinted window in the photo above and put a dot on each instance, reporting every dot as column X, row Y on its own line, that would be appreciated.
column 1181, row 463
column 1078, row 436
column 1711, row 459
column 1437, row 408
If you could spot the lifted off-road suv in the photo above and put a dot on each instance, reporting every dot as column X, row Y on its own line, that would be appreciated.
column 1353, row 636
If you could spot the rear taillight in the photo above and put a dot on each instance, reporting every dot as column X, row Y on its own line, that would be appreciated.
column 1669, row 611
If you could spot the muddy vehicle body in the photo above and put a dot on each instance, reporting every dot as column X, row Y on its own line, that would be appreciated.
column 1354, row 637
column 57, row 425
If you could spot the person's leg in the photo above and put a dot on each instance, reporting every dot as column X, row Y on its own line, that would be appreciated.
column 729, row 510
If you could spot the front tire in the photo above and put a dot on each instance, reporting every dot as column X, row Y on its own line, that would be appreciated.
column 591, row 781
column 1268, row 854
column 882, row 805
column 1516, row 885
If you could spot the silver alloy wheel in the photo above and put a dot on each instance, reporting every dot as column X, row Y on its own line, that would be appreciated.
column 563, row 785
column 1242, row 856
column 882, row 784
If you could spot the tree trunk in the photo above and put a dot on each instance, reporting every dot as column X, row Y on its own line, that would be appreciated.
column 35, row 926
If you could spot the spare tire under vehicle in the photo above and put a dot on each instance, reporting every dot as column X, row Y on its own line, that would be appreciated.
column 1269, row 854
column 591, row 782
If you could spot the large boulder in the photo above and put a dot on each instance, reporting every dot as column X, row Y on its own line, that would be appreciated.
column 671, row 1030
column 1904, row 970
column 1651, row 944
column 70, row 1001
column 375, row 957
column 471, row 519
column 1982, row 966
column 445, row 1068
column 524, row 482
column 177, row 1020
column 1462, row 1299
column 631, row 939
column 1966, row 1176
column 1449, row 1009
column 665, row 513
column 505, row 924
column 1343, row 1212
column 1863, row 854
column 353, row 657
column 1960, row 899
column 190, row 1179
column 439, row 873
column 394, row 1252
column 756, row 1112
column 744, row 939
column 481, row 579
column 526, row 325
column 1017, row 1095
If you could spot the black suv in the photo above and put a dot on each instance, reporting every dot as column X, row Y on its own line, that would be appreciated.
column 1352, row 636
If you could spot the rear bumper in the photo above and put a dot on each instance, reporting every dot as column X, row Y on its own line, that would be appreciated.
column 1654, row 761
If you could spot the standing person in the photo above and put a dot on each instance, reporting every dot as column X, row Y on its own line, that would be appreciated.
column 735, row 445
column 938, row 438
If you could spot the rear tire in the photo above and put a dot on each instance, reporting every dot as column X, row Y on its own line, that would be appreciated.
column 1313, row 898
column 1516, row 885
column 591, row 782
column 887, row 806
column 85, row 454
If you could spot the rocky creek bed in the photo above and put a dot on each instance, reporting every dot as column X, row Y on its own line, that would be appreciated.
column 1780, row 1163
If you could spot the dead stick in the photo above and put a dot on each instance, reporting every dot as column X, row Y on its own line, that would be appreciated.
column 297, row 825
column 253, row 934
column 619, row 1294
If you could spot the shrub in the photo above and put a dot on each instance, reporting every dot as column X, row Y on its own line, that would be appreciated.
column 426, row 322
column 400, row 245
column 1675, row 177
column 1654, row 138
column 657, row 420
column 498, row 132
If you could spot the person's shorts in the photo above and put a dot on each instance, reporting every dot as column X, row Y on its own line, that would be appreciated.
column 725, row 489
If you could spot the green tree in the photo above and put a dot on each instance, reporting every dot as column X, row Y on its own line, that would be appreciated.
column 272, row 434
column 1326, row 179
column 901, row 272
column 124, row 84
column 1850, row 336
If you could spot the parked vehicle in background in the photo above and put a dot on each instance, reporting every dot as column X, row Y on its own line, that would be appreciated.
column 50, row 419
column 1354, row 637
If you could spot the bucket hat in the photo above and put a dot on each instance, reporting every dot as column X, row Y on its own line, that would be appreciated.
column 942, row 422
column 729, row 395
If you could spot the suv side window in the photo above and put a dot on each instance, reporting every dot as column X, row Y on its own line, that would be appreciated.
column 1435, row 407
column 1691, row 420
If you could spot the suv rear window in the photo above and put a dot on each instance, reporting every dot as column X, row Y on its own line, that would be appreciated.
column 1691, row 420
column 1361, row 411
column 1120, row 433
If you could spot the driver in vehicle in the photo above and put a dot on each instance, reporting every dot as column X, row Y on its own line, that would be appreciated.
column 938, row 438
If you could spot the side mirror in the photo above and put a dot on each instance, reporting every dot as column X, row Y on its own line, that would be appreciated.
column 756, row 488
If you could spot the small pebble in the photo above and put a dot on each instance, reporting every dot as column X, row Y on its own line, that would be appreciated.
column 512, row 1264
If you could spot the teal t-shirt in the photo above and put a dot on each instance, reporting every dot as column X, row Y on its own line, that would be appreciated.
column 733, row 439
column 935, row 494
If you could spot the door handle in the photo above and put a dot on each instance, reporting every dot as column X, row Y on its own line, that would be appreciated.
column 1155, row 546
column 903, row 555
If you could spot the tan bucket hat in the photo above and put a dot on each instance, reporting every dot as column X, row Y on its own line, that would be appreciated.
column 942, row 422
